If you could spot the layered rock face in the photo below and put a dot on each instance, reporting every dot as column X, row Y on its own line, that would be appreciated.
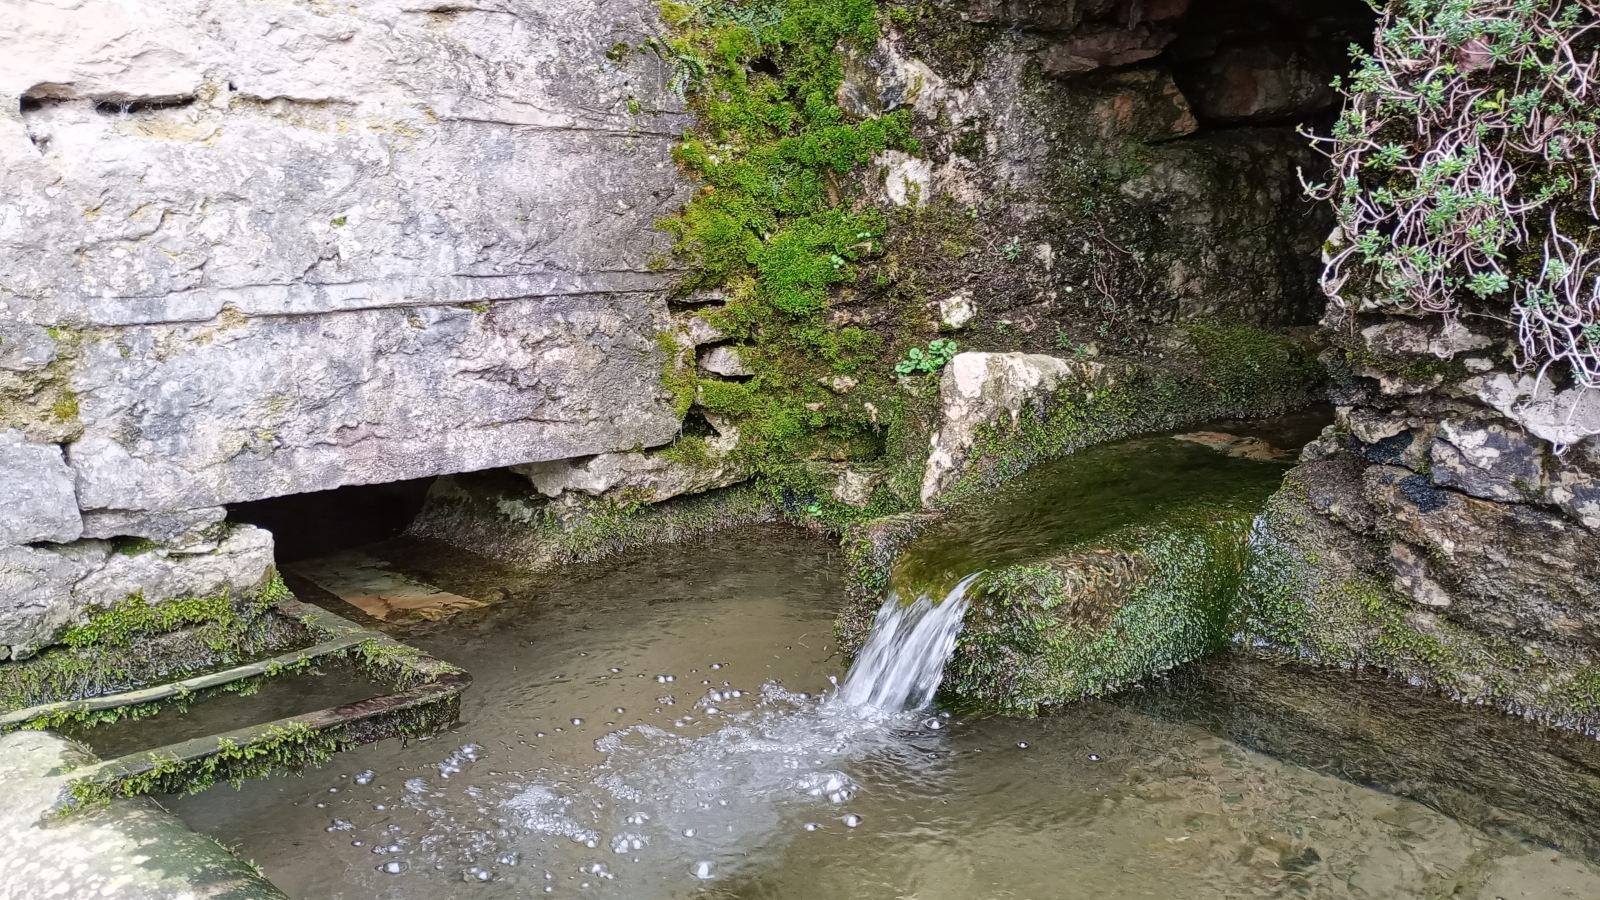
column 253, row 250
column 1447, row 527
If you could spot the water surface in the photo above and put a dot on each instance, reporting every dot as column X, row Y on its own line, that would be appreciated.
column 581, row 770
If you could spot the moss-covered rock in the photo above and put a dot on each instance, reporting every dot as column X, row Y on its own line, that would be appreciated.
column 1364, row 565
column 133, row 643
column 1091, row 621
column 1091, row 573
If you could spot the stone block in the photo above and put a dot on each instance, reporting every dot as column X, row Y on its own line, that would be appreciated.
column 163, row 525
column 36, row 602
column 44, row 591
column 188, row 417
column 37, row 501
column 131, row 850
column 1486, row 460
column 725, row 361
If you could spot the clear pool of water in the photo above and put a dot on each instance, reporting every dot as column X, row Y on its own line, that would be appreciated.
column 660, row 726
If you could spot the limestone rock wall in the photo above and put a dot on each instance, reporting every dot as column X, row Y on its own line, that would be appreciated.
column 1447, row 526
column 256, row 249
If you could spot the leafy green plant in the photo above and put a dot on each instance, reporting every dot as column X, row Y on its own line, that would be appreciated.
column 918, row 362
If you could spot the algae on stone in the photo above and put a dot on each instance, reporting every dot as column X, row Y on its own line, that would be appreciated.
column 1098, row 569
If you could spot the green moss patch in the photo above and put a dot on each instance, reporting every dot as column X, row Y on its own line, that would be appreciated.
column 133, row 643
column 1089, row 622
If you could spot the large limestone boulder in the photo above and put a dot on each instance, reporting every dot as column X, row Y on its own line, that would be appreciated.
column 251, row 249
column 980, row 389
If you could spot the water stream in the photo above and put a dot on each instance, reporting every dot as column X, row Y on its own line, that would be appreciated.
column 666, row 726
column 901, row 664
column 677, row 723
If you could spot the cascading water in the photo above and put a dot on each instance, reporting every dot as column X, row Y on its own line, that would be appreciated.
column 902, row 663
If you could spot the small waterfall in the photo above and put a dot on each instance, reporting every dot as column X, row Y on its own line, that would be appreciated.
column 903, row 661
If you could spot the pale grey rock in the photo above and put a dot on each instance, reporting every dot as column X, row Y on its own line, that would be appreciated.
column 162, row 525
column 1562, row 417
column 1442, row 340
column 725, row 361
column 694, row 331
column 1486, row 460
column 977, row 389
column 36, row 602
column 37, row 502
column 44, row 591
column 839, row 384
column 267, row 244
column 25, row 347
column 907, row 180
column 648, row 477
column 855, row 488
column 955, row 311
column 362, row 156
column 196, row 416
column 131, row 850
column 242, row 560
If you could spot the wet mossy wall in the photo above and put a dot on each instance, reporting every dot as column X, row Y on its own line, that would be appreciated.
column 1081, row 217
column 132, row 644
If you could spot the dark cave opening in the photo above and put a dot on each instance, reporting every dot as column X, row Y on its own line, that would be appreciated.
column 321, row 522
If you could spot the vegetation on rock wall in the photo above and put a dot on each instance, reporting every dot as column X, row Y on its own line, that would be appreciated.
column 1321, row 590
column 1467, row 173
column 774, row 229
column 134, row 643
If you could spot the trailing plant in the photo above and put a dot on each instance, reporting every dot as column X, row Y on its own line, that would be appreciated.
column 917, row 362
column 1467, row 175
